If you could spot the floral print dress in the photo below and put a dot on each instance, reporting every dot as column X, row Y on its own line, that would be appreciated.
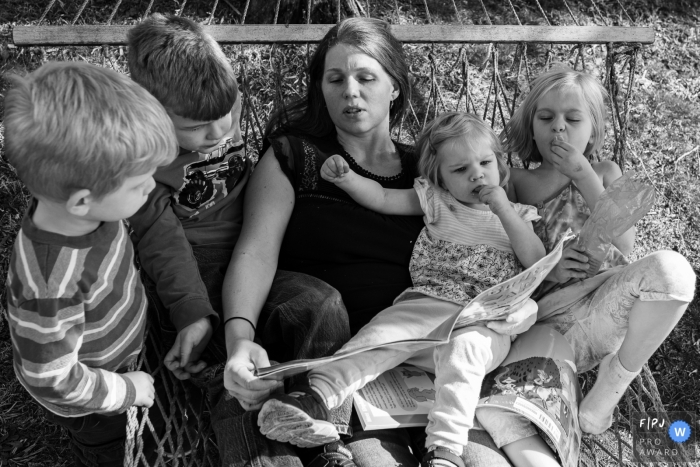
column 462, row 251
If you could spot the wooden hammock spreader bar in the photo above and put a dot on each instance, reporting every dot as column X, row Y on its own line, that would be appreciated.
column 303, row 33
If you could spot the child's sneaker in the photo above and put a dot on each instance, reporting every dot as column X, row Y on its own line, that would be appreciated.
column 300, row 418
column 334, row 454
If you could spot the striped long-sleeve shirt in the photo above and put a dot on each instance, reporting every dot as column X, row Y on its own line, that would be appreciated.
column 77, row 314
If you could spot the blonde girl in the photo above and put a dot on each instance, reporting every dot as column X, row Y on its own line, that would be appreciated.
column 619, row 317
column 474, row 238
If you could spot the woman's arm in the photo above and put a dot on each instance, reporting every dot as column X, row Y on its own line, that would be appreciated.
column 268, row 205
column 369, row 193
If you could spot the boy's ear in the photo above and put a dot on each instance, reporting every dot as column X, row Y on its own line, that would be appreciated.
column 79, row 202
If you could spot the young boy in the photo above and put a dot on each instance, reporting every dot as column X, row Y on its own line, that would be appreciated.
column 186, row 231
column 85, row 141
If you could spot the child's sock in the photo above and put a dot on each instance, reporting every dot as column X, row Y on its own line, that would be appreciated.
column 596, row 409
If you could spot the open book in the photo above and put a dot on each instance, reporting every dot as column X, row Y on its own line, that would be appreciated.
column 400, row 397
column 491, row 304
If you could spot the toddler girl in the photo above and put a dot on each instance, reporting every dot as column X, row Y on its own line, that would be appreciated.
column 619, row 317
column 474, row 238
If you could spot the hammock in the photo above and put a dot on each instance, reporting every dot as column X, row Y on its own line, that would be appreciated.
column 487, row 57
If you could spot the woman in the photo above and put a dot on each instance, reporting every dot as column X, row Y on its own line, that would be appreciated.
column 294, row 220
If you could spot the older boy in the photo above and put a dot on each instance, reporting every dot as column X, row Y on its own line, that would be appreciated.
column 186, row 231
column 85, row 141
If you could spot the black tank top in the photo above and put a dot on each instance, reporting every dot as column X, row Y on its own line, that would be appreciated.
column 363, row 254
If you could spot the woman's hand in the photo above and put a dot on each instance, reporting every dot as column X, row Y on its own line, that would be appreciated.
column 334, row 169
column 495, row 198
column 572, row 265
column 249, row 390
column 518, row 321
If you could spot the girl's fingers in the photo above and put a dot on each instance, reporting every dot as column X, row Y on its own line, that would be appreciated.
column 561, row 146
column 575, row 266
column 485, row 194
column 326, row 172
column 576, row 274
column 576, row 256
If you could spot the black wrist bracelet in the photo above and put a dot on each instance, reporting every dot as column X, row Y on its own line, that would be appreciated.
column 244, row 319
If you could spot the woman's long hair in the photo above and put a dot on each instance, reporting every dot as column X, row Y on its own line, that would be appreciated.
column 309, row 115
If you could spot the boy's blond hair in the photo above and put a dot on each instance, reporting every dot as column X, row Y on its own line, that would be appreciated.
column 451, row 125
column 72, row 126
column 518, row 135
column 183, row 66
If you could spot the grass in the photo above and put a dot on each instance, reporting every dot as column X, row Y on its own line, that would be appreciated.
column 664, row 145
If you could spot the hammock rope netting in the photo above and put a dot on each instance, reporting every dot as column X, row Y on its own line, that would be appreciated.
column 483, row 77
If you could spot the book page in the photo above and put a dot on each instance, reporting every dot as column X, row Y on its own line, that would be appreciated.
column 502, row 299
column 402, row 396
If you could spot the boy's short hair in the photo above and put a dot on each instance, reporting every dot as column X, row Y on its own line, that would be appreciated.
column 183, row 66
column 518, row 135
column 452, row 125
column 72, row 126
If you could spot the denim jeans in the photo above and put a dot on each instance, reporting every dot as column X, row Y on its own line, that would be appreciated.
column 303, row 317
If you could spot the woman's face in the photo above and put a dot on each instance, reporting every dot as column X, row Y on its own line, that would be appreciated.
column 357, row 90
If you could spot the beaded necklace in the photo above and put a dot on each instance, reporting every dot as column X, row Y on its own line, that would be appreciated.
column 366, row 173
